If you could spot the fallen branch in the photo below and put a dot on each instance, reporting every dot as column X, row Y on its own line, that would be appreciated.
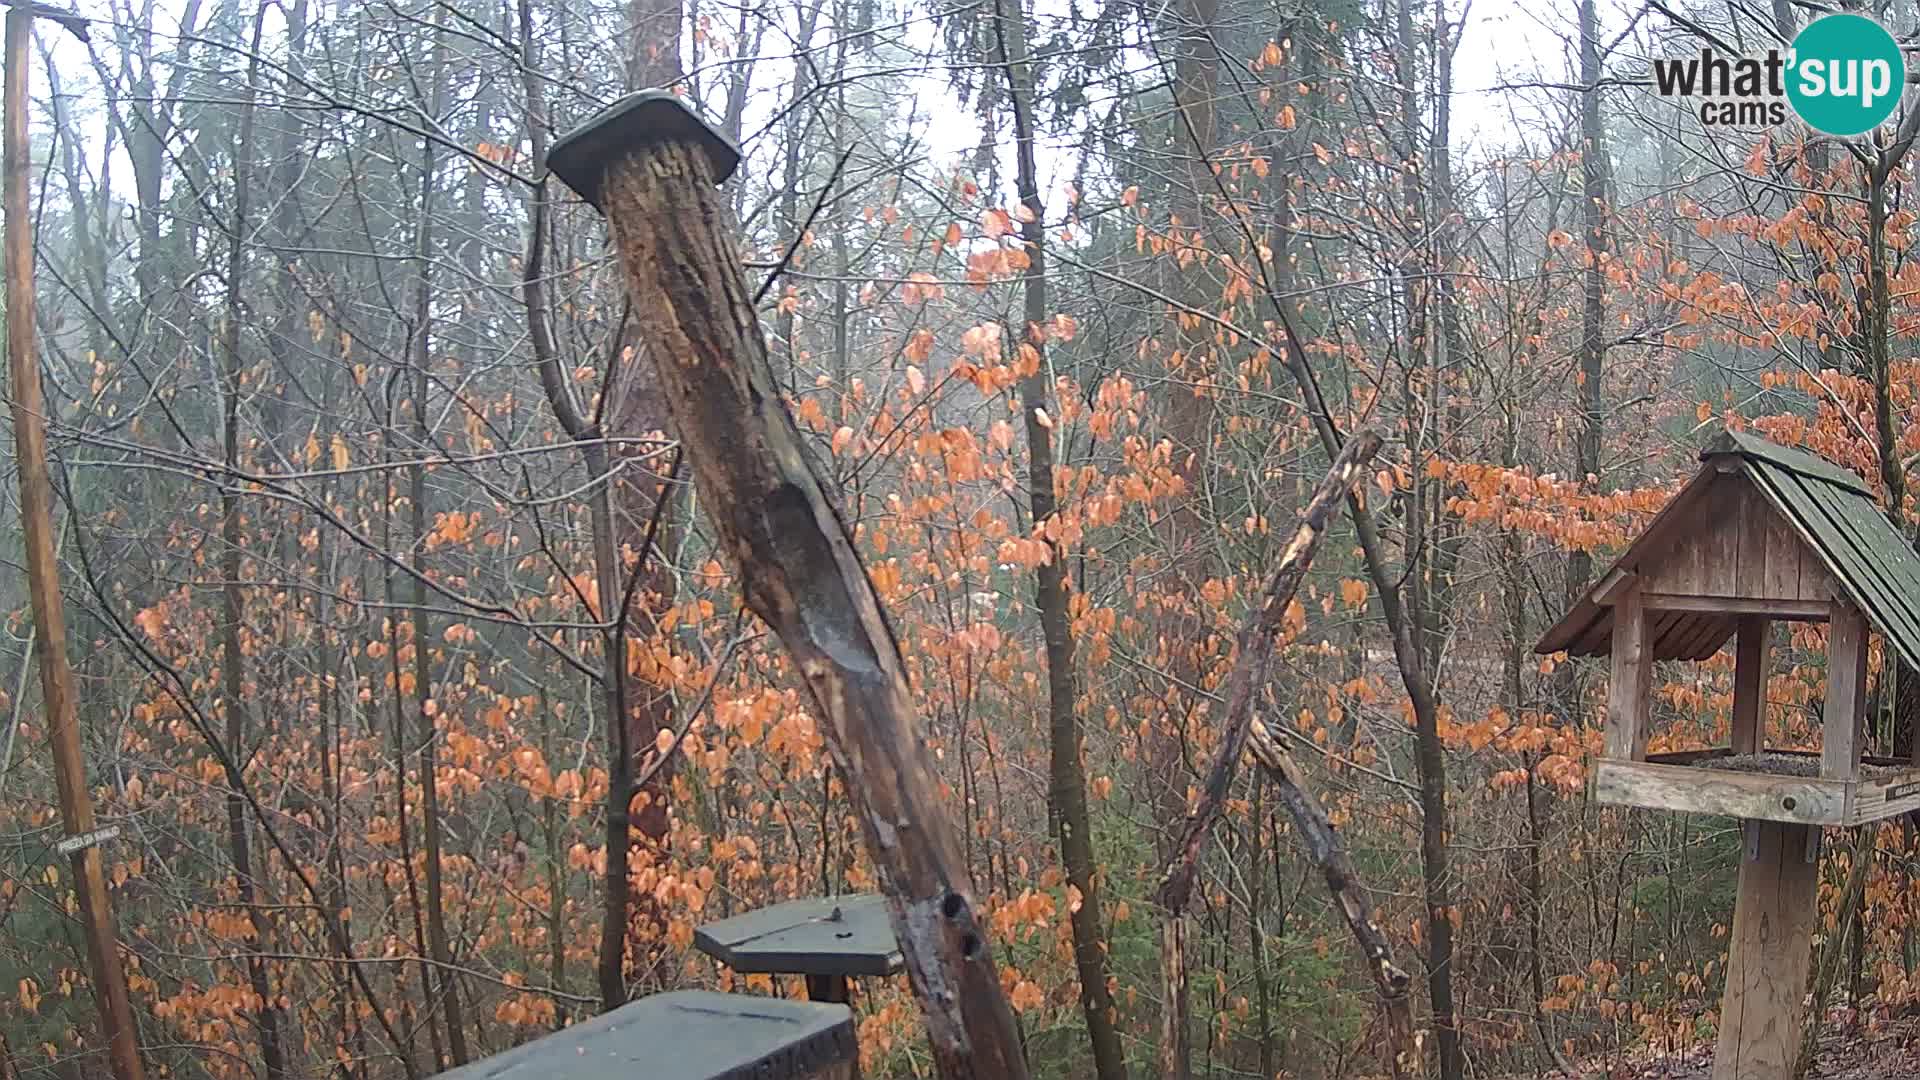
column 1258, row 636
column 1322, row 840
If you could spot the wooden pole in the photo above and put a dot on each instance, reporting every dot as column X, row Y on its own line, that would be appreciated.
column 1763, row 1011
column 1750, row 659
column 652, row 167
column 43, row 574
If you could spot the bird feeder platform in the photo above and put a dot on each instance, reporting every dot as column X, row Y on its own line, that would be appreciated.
column 688, row 1035
column 828, row 940
column 1784, row 786
column 1763, row 533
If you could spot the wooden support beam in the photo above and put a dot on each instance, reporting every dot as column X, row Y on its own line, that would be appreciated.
column 1703, row 789
column 1843, row 723
column 1750, row 657
column 1616, row 581
column 1763, row 1010
column 1799, row 610
column 1630, row 694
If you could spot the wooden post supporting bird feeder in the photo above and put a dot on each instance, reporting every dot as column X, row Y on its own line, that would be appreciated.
column 651, row 166
column 1762, row 534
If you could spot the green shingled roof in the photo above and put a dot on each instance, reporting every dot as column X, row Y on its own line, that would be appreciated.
column 1834, row 513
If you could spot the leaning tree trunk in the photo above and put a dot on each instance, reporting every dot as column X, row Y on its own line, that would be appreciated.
column 652, row 168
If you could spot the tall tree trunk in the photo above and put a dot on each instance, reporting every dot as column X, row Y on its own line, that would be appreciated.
column 267, row 1014
column 1067, row 787
column 1189, row 422
column 444, row 989
column 793, row 172
column 1589, row 383
column 631, row 407
column 800, row 573
column 407, row 1048
column 631, row 726
column 1421, row 608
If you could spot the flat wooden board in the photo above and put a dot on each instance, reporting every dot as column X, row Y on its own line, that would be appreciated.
column 686, row 1035
column 846, row 935
column 1734, row 534
column 1702, row 790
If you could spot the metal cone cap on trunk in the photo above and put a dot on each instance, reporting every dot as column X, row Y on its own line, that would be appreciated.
column 581, row 156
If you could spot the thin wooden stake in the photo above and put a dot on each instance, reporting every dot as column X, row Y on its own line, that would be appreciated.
column 43, row 573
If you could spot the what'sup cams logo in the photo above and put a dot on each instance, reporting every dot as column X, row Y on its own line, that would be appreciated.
column 1843, row 76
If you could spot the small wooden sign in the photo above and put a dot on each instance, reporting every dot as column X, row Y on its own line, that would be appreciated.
column 87, row 839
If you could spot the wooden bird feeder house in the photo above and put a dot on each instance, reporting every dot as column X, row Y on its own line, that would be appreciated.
column 1763, row 533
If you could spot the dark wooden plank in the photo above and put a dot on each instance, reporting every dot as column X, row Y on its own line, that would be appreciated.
column 1686, row 637
column 1751, row 658
column 1888, row 589
column 1816, row 581
column 1689, row 757
column 1784, row 547
column 1670, row 523
column 1893, row 564
column 1843, row 721
column 687, row 1035
column 1596, row 639
column 1821, row 522
column 848, row 935
column 1802, row 610
column 1703, row 637
column 1751, row 572
column 1719, row 542
column 1865, row 759
column 1664, row 631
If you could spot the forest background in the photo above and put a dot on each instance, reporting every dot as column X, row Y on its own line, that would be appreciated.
column 393, row 610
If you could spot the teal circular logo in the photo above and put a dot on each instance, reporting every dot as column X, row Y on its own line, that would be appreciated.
column 1846, row 75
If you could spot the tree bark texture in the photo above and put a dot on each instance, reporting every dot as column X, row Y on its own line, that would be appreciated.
column 799, row 572
column 59, row 694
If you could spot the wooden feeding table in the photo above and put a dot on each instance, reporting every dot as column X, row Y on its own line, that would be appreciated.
column 688, row 1035
column 1763, row 533
column 828, row 940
